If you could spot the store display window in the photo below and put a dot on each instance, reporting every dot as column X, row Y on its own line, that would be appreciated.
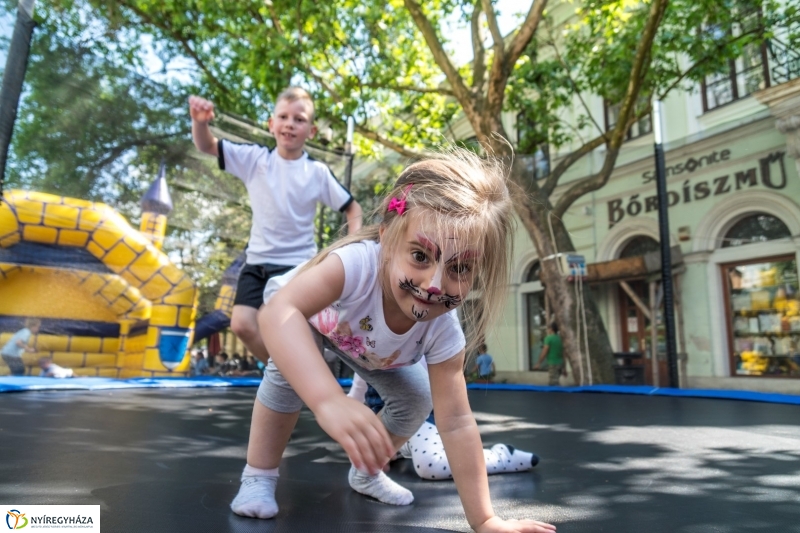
column 537, row 312
column 763, row 311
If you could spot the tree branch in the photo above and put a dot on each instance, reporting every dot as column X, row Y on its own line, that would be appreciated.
column 184, row 44
column 462, row 94
column 694, row 66
column 587, row 185
column 574, row 157
column 276, row 22
column 552, row 180
column 501, row 70
column 575, row 88
column 366, row 132
column 388, row 143
column 118, row 150
column 410, row 88
column 640, row 65
column 478, row 51
column 526, row 32
column 498, row 45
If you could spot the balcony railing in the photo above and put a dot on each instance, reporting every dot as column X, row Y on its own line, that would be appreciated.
column 784, row 62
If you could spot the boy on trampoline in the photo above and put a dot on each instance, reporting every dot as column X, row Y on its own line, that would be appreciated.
column 284, row 186
column 386, row 297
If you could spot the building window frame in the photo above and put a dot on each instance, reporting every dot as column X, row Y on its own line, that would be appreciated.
column 540, row 163
column 736, row 69
column 532, row 295
column 637, row 129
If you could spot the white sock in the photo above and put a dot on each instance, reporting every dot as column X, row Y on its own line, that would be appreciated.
column 379, row 487
column 256, row 497
column 501, row 458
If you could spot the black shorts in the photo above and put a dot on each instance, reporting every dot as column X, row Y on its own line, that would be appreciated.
column 15, row 365
column 252, row 280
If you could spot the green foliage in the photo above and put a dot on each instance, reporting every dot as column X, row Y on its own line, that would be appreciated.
column 91, row 126
column 593, row 54
column 85, row 123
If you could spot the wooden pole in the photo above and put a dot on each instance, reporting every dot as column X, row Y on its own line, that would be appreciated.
column 635, row 297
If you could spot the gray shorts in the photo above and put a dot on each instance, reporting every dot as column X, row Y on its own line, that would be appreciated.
column 406, row 392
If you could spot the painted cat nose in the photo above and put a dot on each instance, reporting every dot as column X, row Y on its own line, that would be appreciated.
column 435, row 291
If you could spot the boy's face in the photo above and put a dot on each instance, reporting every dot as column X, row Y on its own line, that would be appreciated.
column 291, row 125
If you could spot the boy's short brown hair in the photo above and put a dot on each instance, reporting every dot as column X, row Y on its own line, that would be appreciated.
column 293, row 94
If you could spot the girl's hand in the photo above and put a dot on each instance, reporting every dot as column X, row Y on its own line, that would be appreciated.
column 496, row 524
column 200, row 109
column 359, row 431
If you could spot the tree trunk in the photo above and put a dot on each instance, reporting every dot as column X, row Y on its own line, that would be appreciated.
column 533, row 209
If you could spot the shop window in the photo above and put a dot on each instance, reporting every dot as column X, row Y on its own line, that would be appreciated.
column 532, row 145
column 639, row 246
column 763, row 314
column 636, row 331
column 742, row 76
column 639, row 128
column 537, row 312
column 759, row 227
column 534, row 272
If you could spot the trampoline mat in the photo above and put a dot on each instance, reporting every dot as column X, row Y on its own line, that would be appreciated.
column 169, row 461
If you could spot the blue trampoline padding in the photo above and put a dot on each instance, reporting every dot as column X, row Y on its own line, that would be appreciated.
column 19, row 384
column 751, row 396
column 26, row 383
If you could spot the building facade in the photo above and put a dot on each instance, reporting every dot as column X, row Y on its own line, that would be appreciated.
column 734, row 212
column 732, row 146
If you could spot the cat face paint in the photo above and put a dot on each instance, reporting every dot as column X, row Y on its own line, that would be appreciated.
column 449, row 300
column 429, row 278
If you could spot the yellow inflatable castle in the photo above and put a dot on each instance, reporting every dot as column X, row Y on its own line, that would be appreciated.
column 110, row 301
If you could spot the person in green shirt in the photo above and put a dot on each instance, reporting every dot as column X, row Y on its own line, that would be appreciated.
column 554, row 352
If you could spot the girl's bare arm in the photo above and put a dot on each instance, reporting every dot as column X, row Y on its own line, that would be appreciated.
column 284, row 327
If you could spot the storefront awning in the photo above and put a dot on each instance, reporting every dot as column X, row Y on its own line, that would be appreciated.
column 629, row 268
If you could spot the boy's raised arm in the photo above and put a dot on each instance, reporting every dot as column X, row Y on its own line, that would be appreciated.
column 202, row 112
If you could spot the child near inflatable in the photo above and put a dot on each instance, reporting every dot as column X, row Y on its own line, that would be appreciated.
column 385, row 298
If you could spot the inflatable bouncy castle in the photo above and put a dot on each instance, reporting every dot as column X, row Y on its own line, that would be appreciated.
column 109, row 300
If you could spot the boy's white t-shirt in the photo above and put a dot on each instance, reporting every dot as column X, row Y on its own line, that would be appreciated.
column 283, row 196
column 355, row 323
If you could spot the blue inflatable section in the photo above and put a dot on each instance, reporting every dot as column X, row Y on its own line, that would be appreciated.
column 20, row 384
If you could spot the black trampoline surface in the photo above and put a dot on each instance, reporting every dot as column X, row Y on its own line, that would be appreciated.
column 169, row 461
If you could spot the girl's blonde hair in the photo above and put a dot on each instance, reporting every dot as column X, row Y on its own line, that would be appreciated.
column 455, row 193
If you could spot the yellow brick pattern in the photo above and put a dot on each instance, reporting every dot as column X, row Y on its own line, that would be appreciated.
column 146, row 287
column 224, row 303
column 9, row 226
column 154, row 227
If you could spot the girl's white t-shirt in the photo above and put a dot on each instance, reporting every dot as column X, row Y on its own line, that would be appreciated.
column 355, row 323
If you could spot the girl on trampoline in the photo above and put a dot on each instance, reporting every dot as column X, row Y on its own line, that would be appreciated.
column 386, row 297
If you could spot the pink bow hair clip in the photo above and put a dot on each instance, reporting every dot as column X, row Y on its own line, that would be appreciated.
column 399, row 204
